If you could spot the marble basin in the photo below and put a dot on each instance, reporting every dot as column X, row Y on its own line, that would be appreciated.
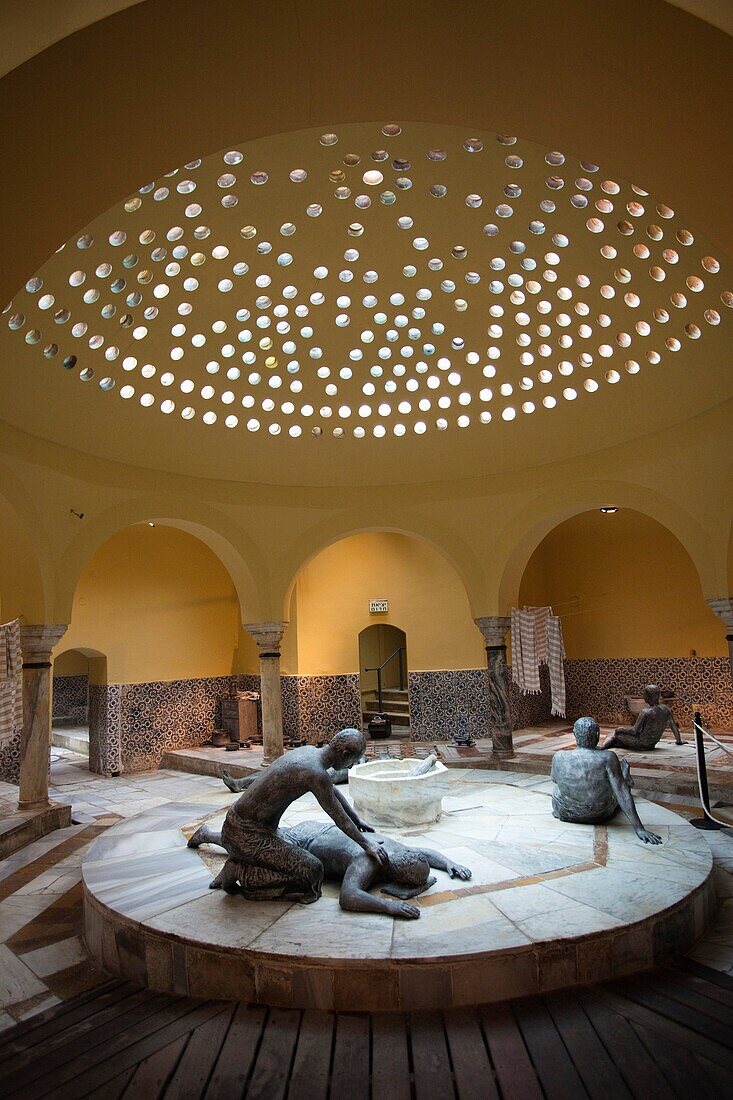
column 385, row 794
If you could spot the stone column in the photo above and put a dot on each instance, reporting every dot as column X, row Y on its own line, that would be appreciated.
column 36, row 643
column 268, row 637
column 723, row 608
column 494, row 628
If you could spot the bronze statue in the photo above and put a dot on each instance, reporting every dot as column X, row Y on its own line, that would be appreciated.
column 649, row 726
column 591, row 784
column 404, row 874
column 271, row 866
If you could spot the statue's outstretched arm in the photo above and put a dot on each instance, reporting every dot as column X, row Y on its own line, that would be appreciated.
column 361, row 825
column 441, row 863
column 625, row 800
column 355, row 898
column 675, row 729
column 328, row 800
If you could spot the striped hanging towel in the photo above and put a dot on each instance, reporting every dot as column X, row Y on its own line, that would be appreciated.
column 525, row 671
column 555, row 654
column 11, row 690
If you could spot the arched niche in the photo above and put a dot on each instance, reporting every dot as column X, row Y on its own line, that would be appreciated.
column 624, row 586
column 161, row 606
column 426, row 598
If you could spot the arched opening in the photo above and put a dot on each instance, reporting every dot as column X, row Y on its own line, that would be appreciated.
column 383, row 678
column 633, row 611
column 156, row 615
column 79, row 716
column 70, row 705
column 334, row 635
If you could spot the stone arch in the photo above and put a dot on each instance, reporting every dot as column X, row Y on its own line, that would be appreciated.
column 524, row 532
column 444, row 541
column 242, row 560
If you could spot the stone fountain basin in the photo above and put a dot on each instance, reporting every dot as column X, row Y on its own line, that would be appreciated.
column 385, row 794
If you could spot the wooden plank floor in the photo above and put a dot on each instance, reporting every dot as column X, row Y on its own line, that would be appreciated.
column 668, row 1033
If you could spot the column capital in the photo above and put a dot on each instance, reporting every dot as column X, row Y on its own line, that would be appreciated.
column 493, row 628
column 38, row 639
column 723, row 608
column 267, row 635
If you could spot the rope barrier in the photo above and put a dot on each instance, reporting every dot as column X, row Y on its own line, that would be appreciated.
column 707, row 733
column 709, row 821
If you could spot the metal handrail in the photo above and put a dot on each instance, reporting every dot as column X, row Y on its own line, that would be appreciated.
column 709, row 821
column 378, row 670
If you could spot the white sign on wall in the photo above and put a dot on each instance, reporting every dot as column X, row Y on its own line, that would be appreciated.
column 378, row 607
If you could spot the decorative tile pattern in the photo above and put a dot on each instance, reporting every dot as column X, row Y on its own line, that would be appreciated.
column 327, row 704
column 70, row 697
column 131, row 725
column 104, row 728
column 167, row 715
column 598, row 687
column 443, row 703
column 10, row 760
column 530, row 710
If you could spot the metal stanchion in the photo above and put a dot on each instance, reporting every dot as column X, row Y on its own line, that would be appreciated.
column 708, row 821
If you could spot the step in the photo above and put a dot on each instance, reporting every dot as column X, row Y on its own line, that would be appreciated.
column 399, row 733
column 399, row 718
column 387, row 704
column 397, row 694
column 75, row 740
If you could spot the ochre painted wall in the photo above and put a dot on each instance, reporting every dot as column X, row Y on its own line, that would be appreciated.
column 71, row 663
column 426, row 600
column 160, row 605
column 20, row 583
column 624, row 587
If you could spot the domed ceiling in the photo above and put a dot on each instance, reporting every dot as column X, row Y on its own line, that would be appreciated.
column 317, row 306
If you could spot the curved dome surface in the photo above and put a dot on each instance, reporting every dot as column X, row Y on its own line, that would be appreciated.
column 313, row 304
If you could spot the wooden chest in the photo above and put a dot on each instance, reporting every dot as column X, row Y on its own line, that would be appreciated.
column 239, row 717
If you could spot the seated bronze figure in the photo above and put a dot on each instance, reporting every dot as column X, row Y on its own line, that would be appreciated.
column 591, row 784
column 649, row 726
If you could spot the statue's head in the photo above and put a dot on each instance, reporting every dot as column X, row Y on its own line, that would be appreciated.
column 409, row 867
column 347, row 747
column 587, row 732
column 651, row 694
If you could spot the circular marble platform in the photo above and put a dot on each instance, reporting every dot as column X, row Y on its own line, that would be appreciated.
column 549, row 905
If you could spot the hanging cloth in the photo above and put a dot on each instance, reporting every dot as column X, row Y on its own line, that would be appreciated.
column 555, row 654
column 537, row 640
column 525, row 671
column 11, row 690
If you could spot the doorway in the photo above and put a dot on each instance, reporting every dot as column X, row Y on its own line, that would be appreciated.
column 384, row 647
column 70, row 709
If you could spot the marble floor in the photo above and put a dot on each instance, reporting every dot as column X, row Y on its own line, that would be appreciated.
column 42, row 958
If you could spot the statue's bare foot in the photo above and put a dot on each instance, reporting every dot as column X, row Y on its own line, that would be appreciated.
column 227, row 879
column 404, row 911
column 236, row 786
column 199, row 837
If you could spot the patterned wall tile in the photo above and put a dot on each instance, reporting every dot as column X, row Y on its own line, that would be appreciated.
column 327, row 704
column 131, row 725
column 70, row 697
column 443, row 703
column 599, row 687
column 530, row 710
column 10, row 760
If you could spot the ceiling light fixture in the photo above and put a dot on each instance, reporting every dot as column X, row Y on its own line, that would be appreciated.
column 609, row 509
